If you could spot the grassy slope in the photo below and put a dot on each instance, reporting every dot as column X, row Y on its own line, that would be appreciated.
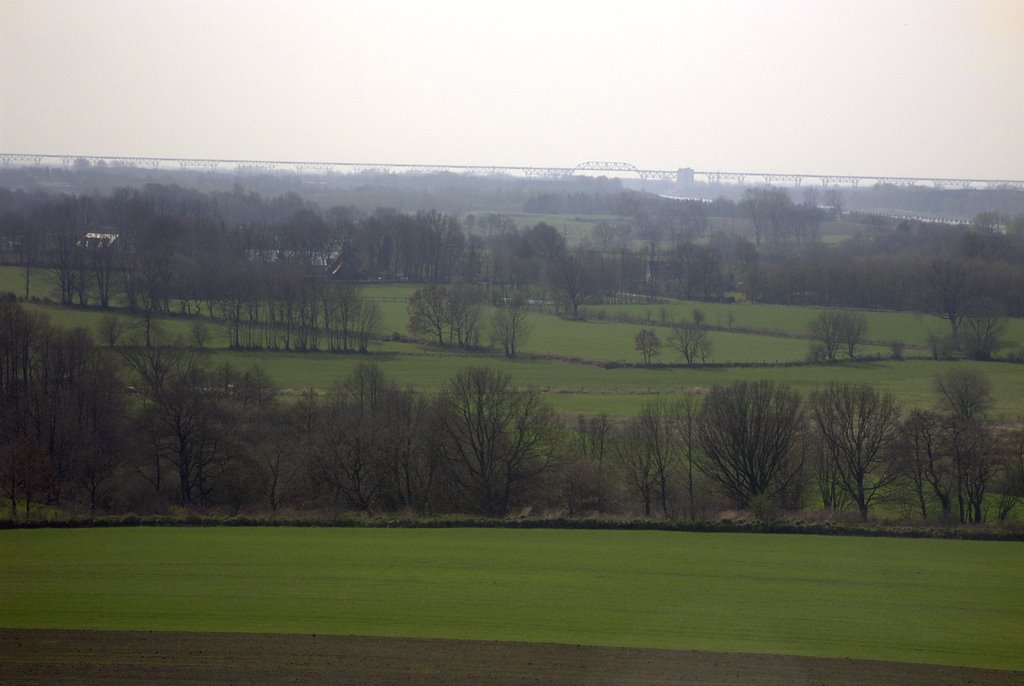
column 942, row 602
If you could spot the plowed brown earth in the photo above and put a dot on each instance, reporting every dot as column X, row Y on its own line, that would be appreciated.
column 117, row 657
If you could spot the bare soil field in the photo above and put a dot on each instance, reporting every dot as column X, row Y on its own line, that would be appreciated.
column 45, row 656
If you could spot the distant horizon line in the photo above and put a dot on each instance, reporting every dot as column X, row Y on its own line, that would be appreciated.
column 679, row 175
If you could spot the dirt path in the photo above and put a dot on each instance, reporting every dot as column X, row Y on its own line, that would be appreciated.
column 113, row 657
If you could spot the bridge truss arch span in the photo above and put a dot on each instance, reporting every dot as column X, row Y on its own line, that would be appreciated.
column 682, row 176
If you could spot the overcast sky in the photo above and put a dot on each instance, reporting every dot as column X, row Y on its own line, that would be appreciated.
column 886, row 87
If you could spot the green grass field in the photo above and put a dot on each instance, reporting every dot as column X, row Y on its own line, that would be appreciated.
column 908, row 327
column 572, row 387
column 574, row 228
column 12, row 280
column 926, row 601
column 589, row 389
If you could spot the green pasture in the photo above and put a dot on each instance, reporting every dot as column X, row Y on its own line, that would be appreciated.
column 610, row 340
column 586, row 385
column 911, row 328
column 91, row 318
column 836, row 238
column 574, row 228
column 591, row 389
column 552, row 335
column 924, row 601
column 390, row 292
column 549, row 335
column 908, row 327
column 12, row 280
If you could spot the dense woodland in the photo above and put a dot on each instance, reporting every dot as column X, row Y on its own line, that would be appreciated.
column 136, row 422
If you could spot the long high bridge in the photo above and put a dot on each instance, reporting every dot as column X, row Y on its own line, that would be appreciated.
column 682, row 176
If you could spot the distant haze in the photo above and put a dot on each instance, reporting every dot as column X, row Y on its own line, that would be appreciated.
column 926, row 88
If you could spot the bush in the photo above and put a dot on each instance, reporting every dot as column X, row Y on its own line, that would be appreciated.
column 942, row 347
column 817, row 353
column 764, row 508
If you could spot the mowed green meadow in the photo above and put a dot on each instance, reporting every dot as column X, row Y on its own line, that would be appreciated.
column 925, row 601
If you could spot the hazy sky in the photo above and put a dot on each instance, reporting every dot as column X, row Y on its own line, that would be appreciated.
column 927, row 88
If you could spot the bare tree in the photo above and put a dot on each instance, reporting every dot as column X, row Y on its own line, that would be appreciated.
column 412, row 462
column 929, row 463
column 604, row 234
column 976, row 458
column 858, row 426
column 754, row 210
column 66, row 223
column 983, row 324
column 152, row 291
column 830, row 490
column 685, row 413
column 692, row 342
column 653, row 434
column 945, row 289
column 769, row 209
column 341, row 312
column 594, row 439
column 826, row 329
column 183, row 414
column 509, row 327
column 111, row 329
column 546, row 242
column 571, row 281
column 1011, row 481
column 429, row 312
column 746, row 434
column 638, row 457
column 647, row 343
column 853, row 330
column 26, row 471
column 350, row 448
column 102, row 261
column 464, row 315
column 965, row 394
column 278, row 469
column 438, row 245
column 367, row 324
column 496, row 438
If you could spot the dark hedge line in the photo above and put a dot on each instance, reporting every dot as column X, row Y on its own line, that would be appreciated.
column 976, row 533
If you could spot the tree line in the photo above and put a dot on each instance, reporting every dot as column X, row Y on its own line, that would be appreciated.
column 151, row 428
column 178, row 244
column 265, row 260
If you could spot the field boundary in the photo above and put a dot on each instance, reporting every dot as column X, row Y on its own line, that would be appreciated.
column 816, row 528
